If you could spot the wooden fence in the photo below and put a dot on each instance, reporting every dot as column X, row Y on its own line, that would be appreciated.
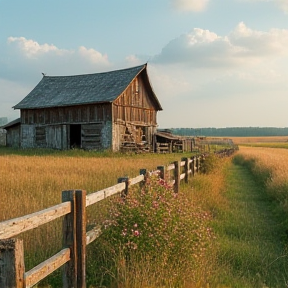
column 75, row 238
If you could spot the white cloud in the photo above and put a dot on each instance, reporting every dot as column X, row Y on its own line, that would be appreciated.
column 190, row 5
column 259, row 43
column 203, row 48
column 33, row 58
column 93, row 55
column 30, row 47
column 133, row 60
column 282, row 4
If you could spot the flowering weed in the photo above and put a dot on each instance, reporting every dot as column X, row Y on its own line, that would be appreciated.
column 159, row 226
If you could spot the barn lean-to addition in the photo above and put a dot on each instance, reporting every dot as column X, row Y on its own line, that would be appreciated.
column 114, row 110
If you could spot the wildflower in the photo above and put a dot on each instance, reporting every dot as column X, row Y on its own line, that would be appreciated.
column 136, row 233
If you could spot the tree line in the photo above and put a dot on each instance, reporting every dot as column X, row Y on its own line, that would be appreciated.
column 231, row 131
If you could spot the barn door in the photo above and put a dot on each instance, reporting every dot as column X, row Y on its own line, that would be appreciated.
column 75, row 136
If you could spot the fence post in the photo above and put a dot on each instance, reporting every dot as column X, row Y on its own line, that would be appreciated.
column 186, row 168
column 162, row 172
column 192, row 165
column 177, row 176
column 126, row 180
column 12, row 267
column 74, row 237
column 143, row 172
column 198, row 163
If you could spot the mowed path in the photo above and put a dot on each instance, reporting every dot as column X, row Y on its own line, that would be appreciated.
column 251, row 244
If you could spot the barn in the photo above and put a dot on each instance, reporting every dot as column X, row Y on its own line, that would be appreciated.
column 114, row 110
column 12, row 133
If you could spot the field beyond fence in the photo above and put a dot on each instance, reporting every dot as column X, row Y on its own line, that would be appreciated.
column 72, row 256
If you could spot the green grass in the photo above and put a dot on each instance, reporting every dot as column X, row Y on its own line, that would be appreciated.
column 250, row 247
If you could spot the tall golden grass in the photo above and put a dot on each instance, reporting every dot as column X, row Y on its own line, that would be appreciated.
column 31, row 183
column 274, row 164
column 253, row 140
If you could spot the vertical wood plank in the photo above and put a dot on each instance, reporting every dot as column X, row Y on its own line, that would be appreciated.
column 177, row 176
column 69, row 275
column 186, row 169
column 81, row 237
column 126, row 180
column 12, row 267
column 162, row 171
column 74, row 237
column 143, row 172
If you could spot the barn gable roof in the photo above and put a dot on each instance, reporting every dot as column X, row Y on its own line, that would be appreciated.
column 57, row 91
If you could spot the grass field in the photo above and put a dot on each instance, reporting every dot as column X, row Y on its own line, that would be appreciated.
column 201, row 256
column 269, row 142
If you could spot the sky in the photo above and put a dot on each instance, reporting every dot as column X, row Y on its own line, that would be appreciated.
column 211, row 63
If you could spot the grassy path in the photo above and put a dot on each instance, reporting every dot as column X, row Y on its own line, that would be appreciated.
column 250, row 243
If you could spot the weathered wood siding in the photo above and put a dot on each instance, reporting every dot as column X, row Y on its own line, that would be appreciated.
column 135, row 105
column 2, row 137
column 134, row 117
column 103, row 125
column 13, row 137
column 67, row 115
column 50, row 128
column 97, row 136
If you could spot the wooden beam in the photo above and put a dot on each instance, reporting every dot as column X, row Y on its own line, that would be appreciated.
column 18, row 225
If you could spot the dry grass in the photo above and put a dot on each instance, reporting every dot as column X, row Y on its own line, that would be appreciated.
column 253, row 140
column 274, row 164
column 32, row 183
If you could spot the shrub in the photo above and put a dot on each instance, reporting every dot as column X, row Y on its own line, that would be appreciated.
column 157, row 226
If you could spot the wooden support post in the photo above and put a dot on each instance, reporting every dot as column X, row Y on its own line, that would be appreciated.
column 143, row 172
column 74, row 237
column 186, row 169
column 126, row 180
column 162, row 172
column 192, row 165
column 12, row 267
column 177, row 176
column 197, row 164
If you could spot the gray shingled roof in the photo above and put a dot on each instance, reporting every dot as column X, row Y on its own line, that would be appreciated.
column 55, row 91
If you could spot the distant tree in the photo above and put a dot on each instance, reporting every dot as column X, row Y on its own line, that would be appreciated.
column 231, row 131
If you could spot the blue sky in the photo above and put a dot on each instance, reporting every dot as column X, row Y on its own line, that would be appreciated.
column 212, row 63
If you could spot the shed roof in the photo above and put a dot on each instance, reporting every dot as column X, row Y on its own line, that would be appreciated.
column 12, row 124
column 55, row 91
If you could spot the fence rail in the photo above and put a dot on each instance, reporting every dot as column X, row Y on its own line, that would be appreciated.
column 75, row 238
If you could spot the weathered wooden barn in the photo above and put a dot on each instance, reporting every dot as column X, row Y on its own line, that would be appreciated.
column 114, row 110
column 12, row 135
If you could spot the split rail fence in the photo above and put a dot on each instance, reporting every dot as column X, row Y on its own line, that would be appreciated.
column 75, row 238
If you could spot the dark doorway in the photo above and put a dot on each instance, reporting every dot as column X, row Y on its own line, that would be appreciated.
column 75, row 136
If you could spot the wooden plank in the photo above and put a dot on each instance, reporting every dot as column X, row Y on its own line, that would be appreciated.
column 81, row 220
column 177, row 176
column 170, row 167
column 93, row 235
column 11, row 263
column 16, row 226
column 102, row 194
column 45, row 268
column 136, row 180
column 69, row 275
column 74, row 238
